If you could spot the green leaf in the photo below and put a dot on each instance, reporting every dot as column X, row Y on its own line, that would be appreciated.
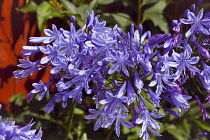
column 121, row 19
column 155, row 14
column 84, row 136
column 29, row 7
column 147, row 2
column 93, row 5
column 69, row 6
column 17, row 99
column 105, row 2
column 187, row 125
column 204, row 125
column 179, row 134
column 81, row 14
column 78, row 2
column 78, row 111
column 44, row 12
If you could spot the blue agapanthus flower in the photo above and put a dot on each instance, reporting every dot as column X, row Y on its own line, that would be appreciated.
column 10, row 131
column 199, row 24
column 147, row 120
column 122, row 70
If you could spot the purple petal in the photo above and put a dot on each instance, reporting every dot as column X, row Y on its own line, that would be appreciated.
column 121, row 91
column 186, row 21
column 98, row 123
column 172, row 112
column 108, row 123
column 154, row 132
column 205, row 22
column 203, row 134
column 117, row 127
column 131, row 93
column 191, row 16
column 137, row 81
column 192, row 68
column 38, row 39
column 153, row 83
column 191, row 31
column 45, row 59
column 193, row 60
column 127, row 124
column 200, row 14
column 124, row 69
column 113, row 68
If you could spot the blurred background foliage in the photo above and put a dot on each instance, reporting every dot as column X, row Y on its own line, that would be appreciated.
column 120, row 12
column 154, row 16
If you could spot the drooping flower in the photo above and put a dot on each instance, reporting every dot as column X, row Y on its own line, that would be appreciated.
column 41, row 88
column 147, row 120
column 204, row 76
column 102, row 117
column 203, row 110
column 118, row 118
column 177, row 99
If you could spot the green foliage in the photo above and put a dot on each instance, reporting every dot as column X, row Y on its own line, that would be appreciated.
column 150, row 10
column 155, row 14
column 147, row 2
column 17, row 99
column 44, row 12
column 29, row 7
column 69, row 6
column 105, row 2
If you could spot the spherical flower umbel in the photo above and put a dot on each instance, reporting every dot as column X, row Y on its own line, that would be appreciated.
column 123, row 72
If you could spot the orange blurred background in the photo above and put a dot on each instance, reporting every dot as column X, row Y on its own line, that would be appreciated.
column 15, row 29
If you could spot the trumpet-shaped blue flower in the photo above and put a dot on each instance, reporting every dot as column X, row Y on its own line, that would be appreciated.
column 177, row 99
column 52, row 52
column 41, row 88
column 159, row 79
column 130, row 93
column 31, row 68
column 93, row 114
column 121, row 60
column 30, row 50
column 183, row 61
column 10, row 131
column 52, row 35
column 199, row 24
column 115, row 101
column 147, row 120
column 137, row 81
column 118, row 117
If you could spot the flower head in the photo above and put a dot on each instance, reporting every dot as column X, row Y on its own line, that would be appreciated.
column 199, row 24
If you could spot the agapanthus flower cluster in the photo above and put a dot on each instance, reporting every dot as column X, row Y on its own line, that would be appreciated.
column 10, row 131
column 124, row 71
